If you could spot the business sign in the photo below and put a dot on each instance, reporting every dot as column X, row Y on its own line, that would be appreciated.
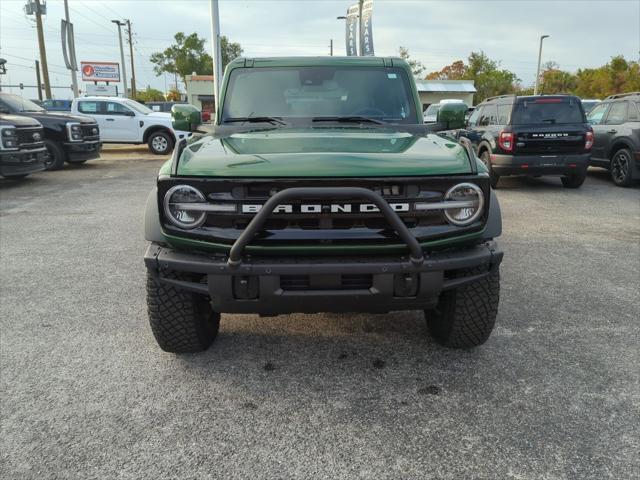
column 100, row 71
column 366, row 33
column 101, row 90
column 351, row 31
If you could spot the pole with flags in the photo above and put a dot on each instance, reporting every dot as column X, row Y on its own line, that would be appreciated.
column 216, row 52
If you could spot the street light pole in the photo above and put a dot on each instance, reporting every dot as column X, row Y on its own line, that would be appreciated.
column 124, row 68
column 535, row 89
column 74, row 78
column 217, row 53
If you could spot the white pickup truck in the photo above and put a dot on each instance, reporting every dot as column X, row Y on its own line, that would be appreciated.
column 126, row 121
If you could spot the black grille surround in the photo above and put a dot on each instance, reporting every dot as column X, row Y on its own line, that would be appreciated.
column 325, row 228
column 87, row 132
column 26, row 140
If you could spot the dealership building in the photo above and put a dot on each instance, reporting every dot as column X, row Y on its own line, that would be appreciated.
column 432, row 91
column 200, row 92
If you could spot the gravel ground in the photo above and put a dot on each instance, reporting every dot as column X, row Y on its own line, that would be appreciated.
column 86, row 393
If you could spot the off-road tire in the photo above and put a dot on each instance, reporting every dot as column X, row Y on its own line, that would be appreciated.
column 574, row 181
column 158, row 138
column 621, row 176
column 57, row 156
column 181, row 321
column 465, row 316
column 494, row 177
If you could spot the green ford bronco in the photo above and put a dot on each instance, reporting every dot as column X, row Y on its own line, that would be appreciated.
column 320, row 190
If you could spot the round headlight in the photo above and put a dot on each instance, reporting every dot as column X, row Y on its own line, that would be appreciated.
column 471, row 202
column 176, row 206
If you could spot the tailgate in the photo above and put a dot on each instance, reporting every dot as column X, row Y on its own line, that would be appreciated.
column 549, row 140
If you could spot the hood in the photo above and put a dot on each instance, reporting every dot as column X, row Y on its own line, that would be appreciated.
column 323, row 152
column 61, row 116
column 163, row 117
column 18, row 121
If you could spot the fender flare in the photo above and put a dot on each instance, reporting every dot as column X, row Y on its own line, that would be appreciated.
column 493, row 228
column 152, row 228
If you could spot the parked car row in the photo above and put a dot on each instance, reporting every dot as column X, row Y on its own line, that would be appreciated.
column 76, row 135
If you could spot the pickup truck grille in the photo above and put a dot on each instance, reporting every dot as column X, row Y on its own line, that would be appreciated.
column 90, row 132
column 30, row 138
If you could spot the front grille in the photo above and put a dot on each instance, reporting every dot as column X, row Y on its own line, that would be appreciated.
column 88, row 131
column 299, row 283
column 26, row 138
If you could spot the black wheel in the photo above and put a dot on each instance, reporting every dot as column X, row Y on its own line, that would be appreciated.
column 464, row 317
column 620, row 168
column 486, row 159
column 574, row 181
column 181, row 321
column 160, row 143
column 56, row 156
column 75, row 162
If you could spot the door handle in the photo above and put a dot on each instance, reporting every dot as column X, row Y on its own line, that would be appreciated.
column 110, row 119
column 613, row 131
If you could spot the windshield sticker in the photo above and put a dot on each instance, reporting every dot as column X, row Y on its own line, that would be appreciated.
column 392, row 75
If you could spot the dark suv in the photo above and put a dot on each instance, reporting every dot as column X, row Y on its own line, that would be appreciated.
column 532, row 135
column 71, row 138
column 616, row 128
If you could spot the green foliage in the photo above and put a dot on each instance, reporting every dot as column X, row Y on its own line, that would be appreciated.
column 188, row 55
column 416, row 67
column 150, row 95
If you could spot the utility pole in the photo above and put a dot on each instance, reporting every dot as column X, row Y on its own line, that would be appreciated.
column 43, row 52
column 38, row 80
column 215, row 45
column 124, row 67
column 535, row 89
column 331, row 47
column 74, row 77
column 133, row 68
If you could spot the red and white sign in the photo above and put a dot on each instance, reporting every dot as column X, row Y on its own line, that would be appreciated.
column 100, row 71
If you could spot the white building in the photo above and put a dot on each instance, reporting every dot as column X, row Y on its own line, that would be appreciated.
column 432, row 91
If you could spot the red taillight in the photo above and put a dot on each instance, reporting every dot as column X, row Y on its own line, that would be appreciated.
column 506, row 140
column 588, row 140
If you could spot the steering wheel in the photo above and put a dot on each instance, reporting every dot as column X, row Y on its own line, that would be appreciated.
column 368, row 112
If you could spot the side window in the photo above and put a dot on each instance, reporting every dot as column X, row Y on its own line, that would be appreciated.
column 595, row 115
column 88, row 107
column 489, row 116
column 504, row 112
column 617, row 114
column 634, row 115
column 473, row 119
column 113, row 108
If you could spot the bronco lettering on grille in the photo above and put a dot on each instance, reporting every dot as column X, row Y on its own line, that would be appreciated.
column 333, row 208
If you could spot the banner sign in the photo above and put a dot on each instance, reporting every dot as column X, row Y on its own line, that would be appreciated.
column 102, row 90
column 366, row 33
column 100, row 71
column 351, row 31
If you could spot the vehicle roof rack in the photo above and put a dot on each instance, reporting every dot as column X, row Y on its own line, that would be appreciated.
column 509, row 95
column 622, row 95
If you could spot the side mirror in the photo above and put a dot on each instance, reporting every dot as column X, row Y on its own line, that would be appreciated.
column 130, row 113
column 185, row 117
column 453, row 115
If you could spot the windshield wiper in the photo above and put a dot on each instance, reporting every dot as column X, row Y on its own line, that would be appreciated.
column 273, row 120
column 349, row 119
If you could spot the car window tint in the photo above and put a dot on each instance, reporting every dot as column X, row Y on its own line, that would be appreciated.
column 473, row 119
column 116, row 109
column 633, row 115
column 489, row 116
column 88, row 107
column 547, row 111
column 617, row 114
column 504, row 112
column 595, row 115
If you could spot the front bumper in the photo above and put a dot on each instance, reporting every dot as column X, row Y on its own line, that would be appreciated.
column 77, row 151
column 22, row 162
column 540, row 164
column 268, row 285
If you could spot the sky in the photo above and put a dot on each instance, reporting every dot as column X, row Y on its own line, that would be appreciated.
column 583, row 33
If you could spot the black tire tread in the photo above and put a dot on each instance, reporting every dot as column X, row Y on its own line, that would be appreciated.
column 574, row 181
column 628, row 180
column 465, row 317
column 59, row 155
column 181, row 321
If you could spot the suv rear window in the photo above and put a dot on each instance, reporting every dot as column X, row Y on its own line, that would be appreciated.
column 545, row 111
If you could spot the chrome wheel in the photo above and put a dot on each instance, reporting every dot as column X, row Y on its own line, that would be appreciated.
column 159, row 143
column 620, row 167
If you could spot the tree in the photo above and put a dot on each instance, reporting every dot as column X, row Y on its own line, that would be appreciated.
column 173, row 95
column 416, row 67
column 187, row 55
column 555, row 80
column 150, row 95
column 617, row 76
column 456, row 71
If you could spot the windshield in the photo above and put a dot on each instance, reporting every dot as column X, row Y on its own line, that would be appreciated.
column 19, row 104
column 138, row 107
column 310, row 92
column 543, row 111
column 432, row 111
column 588, row 106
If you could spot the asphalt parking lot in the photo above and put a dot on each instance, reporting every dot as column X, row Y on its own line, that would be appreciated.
column 86, row 393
